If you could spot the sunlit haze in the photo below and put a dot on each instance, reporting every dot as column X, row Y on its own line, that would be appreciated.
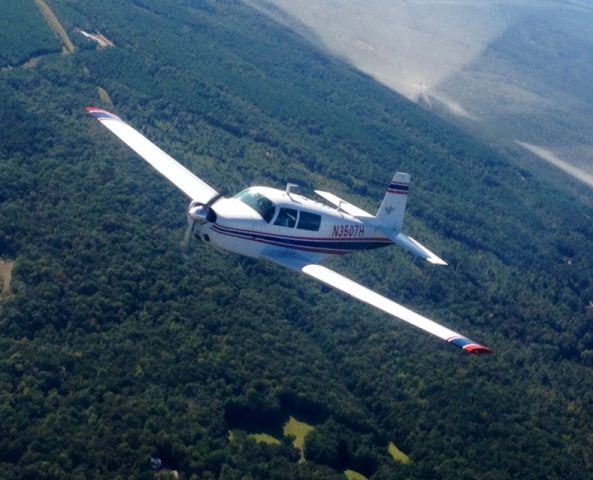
column 502, row 68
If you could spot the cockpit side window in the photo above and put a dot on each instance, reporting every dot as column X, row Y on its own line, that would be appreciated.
column 286, row 217
column 309, row 221
column 261, row 204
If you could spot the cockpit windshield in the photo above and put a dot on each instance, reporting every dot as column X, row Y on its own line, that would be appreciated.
column 262, row 205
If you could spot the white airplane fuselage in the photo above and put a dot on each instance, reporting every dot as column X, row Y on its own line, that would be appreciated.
column 289, row 222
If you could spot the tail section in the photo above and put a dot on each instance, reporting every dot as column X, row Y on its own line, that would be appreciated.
column 391, row 212
column 390, row 219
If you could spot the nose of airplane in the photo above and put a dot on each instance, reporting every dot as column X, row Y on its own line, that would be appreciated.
column 199, row 214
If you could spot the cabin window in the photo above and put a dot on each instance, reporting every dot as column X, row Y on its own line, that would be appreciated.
column 309, row 221
column 262, row 205
column 286, row 217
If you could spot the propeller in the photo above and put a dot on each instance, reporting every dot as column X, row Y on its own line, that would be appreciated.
column 201, row 213
column 187, row 238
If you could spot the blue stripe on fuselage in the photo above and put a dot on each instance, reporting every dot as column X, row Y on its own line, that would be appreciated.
column 460, row 341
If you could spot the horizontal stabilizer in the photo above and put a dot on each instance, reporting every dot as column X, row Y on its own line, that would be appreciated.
column 343, row 204
column 416, row 248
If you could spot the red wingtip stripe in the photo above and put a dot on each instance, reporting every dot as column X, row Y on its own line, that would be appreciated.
column 477, row 349
column 101, row 114
column 468, row 345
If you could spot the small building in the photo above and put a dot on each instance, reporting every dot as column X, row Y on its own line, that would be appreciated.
column 97, row 37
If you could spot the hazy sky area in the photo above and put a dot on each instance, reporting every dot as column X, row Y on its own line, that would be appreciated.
column 516, row 71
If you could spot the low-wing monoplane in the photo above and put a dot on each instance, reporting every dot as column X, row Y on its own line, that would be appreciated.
column 291, row 230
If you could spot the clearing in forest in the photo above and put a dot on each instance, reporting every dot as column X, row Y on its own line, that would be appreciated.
column 258, row 437
column 55, row 25
column 352, row 475
column 101, row 39
column 299, row 430
column 104, row 96
column 6, row 277
column 292, row 427
column 265, row 438
column 397, row 454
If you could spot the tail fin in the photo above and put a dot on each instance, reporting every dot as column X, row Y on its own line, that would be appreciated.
column 392, row 209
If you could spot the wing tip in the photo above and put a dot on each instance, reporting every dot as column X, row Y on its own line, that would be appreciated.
column 101, row 114
column 477, row 349
column 469, row 346
column 437, row 261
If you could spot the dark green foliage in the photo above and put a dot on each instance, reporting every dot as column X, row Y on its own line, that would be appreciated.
column 341, row 448
column 24, row 33
column 115, row 348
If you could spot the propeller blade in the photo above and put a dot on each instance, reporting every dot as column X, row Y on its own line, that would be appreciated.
column 187, row 238
column 201, row 213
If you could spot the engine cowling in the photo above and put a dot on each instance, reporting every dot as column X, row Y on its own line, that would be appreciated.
column 201, row 213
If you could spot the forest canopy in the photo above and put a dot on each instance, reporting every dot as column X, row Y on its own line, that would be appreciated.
column 117, row 349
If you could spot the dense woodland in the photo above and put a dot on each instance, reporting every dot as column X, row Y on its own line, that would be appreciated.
column 116, row 348
column 23, row 33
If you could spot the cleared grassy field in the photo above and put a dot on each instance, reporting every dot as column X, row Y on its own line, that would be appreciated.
column 265, row 438
column 352, row 475
column 5, row 277
column 397, row 454
column 104, row 96
column 258, row 437
column 56, row 26
column 299, row 430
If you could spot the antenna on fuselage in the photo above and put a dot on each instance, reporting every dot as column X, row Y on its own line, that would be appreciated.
column 289, row 187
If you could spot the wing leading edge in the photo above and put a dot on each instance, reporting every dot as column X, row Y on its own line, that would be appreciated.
column 181, row 177
column 366, row 295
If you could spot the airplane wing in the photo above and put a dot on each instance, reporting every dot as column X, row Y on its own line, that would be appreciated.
column 176, row 173
column 344, row 284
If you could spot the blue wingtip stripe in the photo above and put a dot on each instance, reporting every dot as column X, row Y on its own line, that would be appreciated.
column 461, row 342
column 103, row 116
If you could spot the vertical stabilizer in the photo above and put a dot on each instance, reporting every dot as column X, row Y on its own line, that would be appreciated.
column 391, row 212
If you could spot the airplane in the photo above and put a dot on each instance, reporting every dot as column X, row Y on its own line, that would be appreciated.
column 291, row 230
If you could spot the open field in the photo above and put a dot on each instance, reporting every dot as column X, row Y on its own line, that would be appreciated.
column 104, row 96
column 397, row 454
column 299, row 430
column 6, row 276
column 265, row 438
column 352, row 475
